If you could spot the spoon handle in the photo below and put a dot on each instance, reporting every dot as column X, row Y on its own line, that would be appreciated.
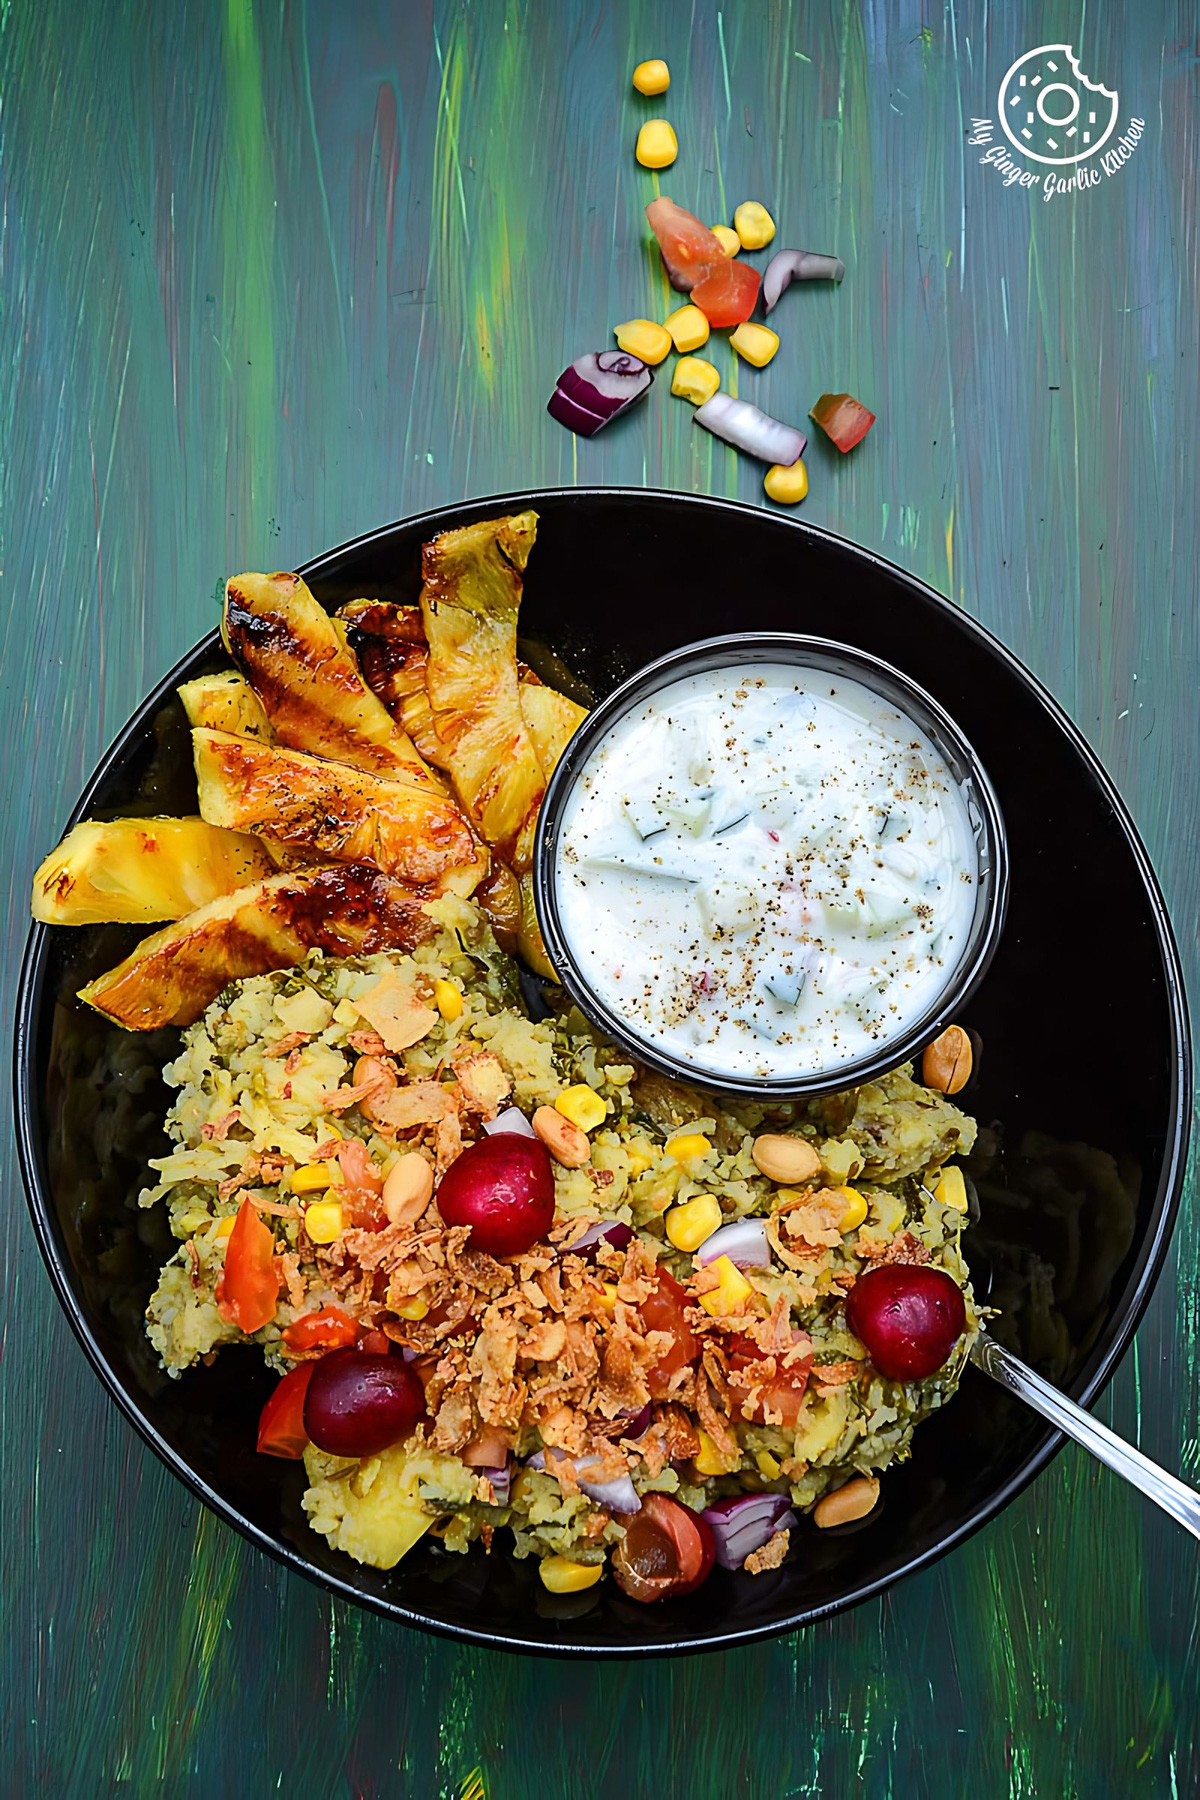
column 1173, row 1495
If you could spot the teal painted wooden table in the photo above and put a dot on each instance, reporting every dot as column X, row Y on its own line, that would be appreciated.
column 273, row 274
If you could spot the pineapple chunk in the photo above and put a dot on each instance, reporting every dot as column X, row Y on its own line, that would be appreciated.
column 296, row 659
column 469, row 601
column 141, row 871
column 171, row 977
column 393, row 657
column 226, row 703
column 552, row 721
column 529, row 938
column 333, row 811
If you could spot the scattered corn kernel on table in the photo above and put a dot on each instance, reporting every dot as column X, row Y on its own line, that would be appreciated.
column 276, row 274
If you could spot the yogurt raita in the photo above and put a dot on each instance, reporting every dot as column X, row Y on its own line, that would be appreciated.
column 766, row 871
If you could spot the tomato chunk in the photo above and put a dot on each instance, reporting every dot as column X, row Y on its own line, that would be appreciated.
column 844, row 420
column 663, row 1310
column 281, row 1425
column 726, row 292
column 329, row 1328
column 781, row 1395
column 248, row 1288
column 687, row 245
column 667, row 1550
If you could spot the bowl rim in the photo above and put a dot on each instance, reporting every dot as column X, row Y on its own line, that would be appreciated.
column 805, row 650
column 1090, row 1378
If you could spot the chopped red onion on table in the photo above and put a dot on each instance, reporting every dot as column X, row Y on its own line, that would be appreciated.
column 745, row 1243
column 597, row 388
column 748, row 429
column 787, row 266
column 745, row 1523
column 511, row 1119
column 611, row 1231
column 619, row 1496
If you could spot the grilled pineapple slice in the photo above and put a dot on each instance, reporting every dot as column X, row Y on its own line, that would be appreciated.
column 469, row 602
column 333, row 811
column 226, row 703
column 529, row 937
column 171, row 977
column 141, row 871
column 296, row 659
column 552, row 721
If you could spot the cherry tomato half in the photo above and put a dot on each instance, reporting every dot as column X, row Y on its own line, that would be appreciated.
column 663, row 1310
column 667, row 1550
column 329, row 1328
column 782, row 1396
column 281, row 1424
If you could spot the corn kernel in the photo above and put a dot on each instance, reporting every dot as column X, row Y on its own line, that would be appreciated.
column 313, row 1178
column 754, row 225
column 707, row 1460
column 193, row 1221
column 657, row 147
column 583, row 1106
column 728, row 239
column 448, row 1000
column 787, row 484
column 688, row 1143
column 690, row 1225
column 323, row 1221
column 643, row 338
column 856, row 1209
column 414, row 1308
column 608, row 1299
column 755, row 344
column 225, row 1226
column 641, row 1156
column 652, row 77
column 695, row 380
column 733, row 1293
column 951, row 1189
column 562, row 1576
column 767, row 1465
column 688, row 328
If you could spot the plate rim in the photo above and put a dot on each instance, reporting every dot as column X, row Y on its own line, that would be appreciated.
column 1094, row 1374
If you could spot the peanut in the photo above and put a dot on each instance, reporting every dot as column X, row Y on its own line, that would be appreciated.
column 946, row 1064
column 408, row 1188
column 788, row 1160
column 854, row 1501
column 370, row 1069
column 565, row 1142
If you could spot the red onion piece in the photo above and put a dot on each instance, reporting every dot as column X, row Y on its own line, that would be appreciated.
column 597, row 388
column 745, row 1243
column 748, row 429
column 619, row 1496
column 511, row 1119
column 787, row 266
column 605, row 1231
column 745, row 1523
column 501, row 1480
column 639, row 1422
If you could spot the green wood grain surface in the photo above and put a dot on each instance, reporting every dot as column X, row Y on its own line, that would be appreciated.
column 274, row 273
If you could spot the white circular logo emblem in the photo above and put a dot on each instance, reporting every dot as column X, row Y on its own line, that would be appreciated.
column 1050, row 111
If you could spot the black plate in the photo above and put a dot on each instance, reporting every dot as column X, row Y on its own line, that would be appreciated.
column 1081, row 1091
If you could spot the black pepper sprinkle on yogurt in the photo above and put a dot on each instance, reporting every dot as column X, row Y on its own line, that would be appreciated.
column 782, row 871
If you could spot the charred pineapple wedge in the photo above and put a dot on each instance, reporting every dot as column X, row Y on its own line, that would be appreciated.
column 552, row 721
column 142, row 871
column 335, row 812
column 172, row 976
column 469, row 602
column 298, row 663
column 393, row 657
column 226, row 702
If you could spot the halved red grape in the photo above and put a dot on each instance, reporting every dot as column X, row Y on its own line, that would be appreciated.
column 667, row 1550
column 908, row 1316
column 358, row 1404
column 503, row 1188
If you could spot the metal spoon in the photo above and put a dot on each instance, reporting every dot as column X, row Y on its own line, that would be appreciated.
column 1167, row 1491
